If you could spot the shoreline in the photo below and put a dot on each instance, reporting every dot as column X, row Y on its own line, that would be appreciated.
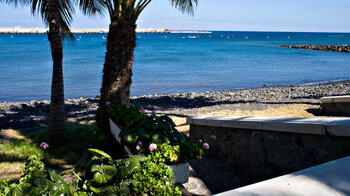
column 195, row 92
column 138, row 97
column 34, row 113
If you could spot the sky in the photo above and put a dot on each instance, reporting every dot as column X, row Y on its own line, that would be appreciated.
column 219, row 15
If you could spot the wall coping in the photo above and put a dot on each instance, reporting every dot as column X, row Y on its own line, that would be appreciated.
column 336, row 99
column 339, row 126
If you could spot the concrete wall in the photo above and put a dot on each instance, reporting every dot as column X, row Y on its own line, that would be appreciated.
column 263, row 148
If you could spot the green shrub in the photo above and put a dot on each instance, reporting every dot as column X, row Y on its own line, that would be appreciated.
column 124, row 115
column 150, row 129
column 135, row 175
column 37, row 180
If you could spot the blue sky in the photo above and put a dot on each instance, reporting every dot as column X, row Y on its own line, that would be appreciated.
column 230, row 15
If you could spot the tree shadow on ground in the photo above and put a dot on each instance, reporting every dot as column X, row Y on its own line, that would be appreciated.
column 26, row 116
column 167, row 102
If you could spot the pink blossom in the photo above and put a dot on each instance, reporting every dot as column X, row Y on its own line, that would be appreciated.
column 140, row 142
column 44, row 145
column 108, row 103
column 152, row 147
column 142, row 110
column 206, row 146
column 154, row 112
column 200, row 140
column 213, row 137
column 137, row 147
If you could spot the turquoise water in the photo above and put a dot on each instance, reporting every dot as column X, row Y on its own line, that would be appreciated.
column 173, row 63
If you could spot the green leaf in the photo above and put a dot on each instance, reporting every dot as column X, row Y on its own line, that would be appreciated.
column 128, row 166
column 43, row 184
column 99, row 190
column 99, row 153
column 103, row 173
column 140, row 158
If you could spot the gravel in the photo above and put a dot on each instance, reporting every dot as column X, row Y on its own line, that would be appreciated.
column 23, row 115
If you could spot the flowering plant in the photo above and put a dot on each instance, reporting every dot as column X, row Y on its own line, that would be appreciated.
column 150, row 129
column 123, row 115
column 179, row 152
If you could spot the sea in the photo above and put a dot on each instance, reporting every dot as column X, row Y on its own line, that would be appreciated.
column 173, row 63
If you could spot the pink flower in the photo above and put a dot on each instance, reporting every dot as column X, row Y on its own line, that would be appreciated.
column 108, row 103
column 137, row 147
column 200, row 140
column 213, row 137
column 44, row 145
column 154, row 112
column 206, row 146
column 140, row 142
column 152, row 147
column 142, row 110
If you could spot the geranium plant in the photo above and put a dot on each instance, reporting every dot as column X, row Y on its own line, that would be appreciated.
column 123, row 115
column 157, row 137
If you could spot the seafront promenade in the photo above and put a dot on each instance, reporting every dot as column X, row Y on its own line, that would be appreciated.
column 20, row 30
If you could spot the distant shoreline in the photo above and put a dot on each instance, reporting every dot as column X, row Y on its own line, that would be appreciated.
column 19, row 30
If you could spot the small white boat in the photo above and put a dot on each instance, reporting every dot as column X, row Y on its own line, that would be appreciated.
column 192, row 37
column 103, row 37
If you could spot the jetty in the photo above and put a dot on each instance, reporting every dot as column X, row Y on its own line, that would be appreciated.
column 334, row 48
column 20, row 30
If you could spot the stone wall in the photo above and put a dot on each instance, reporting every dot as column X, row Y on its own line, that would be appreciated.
column 262, row 154
column 336, row 105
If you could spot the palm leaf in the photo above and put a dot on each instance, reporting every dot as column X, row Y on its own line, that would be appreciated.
column 185, row 6
column 92, row 7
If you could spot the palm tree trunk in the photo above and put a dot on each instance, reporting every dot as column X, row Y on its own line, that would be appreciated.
column 117, row 71
column 56, row 128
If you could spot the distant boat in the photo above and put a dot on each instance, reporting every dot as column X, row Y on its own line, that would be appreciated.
column 209, row 35
column 288, row 37
column 103, row 37
column 192, row 37
column 267, row 37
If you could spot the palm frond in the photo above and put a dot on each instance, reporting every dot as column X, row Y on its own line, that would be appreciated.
column 185, row 6
column 66, row 11
column 92, row 7
column 15, row 2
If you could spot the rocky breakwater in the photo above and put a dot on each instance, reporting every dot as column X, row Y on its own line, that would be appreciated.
column 334, row 48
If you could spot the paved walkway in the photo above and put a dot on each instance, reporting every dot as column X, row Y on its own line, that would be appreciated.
column 328, row 179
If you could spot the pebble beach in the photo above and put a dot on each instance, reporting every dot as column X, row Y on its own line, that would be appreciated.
column 19, row 115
